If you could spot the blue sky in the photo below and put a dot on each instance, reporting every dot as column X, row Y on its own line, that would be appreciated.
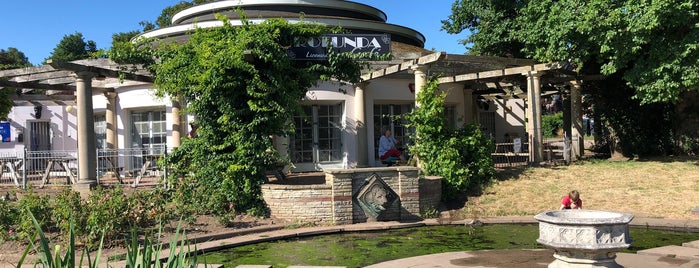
column 36, row 26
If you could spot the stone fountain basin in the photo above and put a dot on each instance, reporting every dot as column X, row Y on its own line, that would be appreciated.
column 588, row 230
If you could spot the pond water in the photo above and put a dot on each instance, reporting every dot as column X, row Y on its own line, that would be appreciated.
column 358, row 249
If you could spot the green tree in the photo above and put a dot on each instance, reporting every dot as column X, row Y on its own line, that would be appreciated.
column 242, row 87
column 11, row 58
column 650, row 46
column 165, row 18
column 653, row 44
column 73, row 47
column 462, row 156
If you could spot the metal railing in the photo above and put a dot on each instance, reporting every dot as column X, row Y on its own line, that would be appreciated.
column 124, row 166
column 555, row 150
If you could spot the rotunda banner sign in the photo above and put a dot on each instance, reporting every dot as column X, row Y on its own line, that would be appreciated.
column 317, row 48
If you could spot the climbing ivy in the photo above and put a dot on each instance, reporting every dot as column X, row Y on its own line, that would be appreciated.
column 242, row 88
column 461, row 156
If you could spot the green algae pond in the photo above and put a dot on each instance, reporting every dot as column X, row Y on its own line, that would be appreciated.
column 358, row 249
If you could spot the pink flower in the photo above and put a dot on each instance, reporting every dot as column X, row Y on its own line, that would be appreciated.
column 11, row 232
column 230, row 205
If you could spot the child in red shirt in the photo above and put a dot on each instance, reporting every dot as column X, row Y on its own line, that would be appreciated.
column 571, row 201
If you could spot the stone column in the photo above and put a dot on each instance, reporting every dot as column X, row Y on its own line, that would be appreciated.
column 469, row 111
column 577, row 144
column 360, row 124
column 534, row 116
column 87, row 161
column 110, row 118
column 420, row 79
column 176, row 123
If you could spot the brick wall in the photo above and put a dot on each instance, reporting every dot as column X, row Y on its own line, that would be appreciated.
column 332, row 203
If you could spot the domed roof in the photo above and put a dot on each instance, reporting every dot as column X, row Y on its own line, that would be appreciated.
column 355, row 17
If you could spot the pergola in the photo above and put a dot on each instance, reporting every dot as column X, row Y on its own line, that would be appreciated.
column 514, row 78
column 73, row 83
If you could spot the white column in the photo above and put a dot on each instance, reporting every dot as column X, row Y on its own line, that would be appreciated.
column 534, row 116
column 87, row 161
column 110, row 118
column 577, row 145
column 176, row 123
column 420, row 79
column 360, row 124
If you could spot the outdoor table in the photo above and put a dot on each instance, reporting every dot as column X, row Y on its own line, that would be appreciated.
column 13, row 164
column 62, row 162
column 148, row 160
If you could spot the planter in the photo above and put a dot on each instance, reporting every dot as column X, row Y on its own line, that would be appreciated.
column 584, row 238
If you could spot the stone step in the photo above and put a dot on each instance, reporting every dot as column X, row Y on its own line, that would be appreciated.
column 685, row 253
column 253, row 266
column 693, row 244
column 307, row 266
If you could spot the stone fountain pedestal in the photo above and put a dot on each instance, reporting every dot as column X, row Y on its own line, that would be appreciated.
column 584, row 238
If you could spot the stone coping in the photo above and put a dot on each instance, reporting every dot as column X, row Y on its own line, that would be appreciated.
column 584, row 217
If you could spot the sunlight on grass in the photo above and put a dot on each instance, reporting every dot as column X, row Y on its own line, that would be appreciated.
column 665, row 189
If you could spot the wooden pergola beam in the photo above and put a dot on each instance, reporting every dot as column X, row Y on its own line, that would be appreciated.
column 502, row 72
column 434, row 57
column 105, row 72
column 36, row 85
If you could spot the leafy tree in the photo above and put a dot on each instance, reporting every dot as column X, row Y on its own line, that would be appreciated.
column 165, row 18
column 11, row 58
column 651, row 46
column 242, row 87
column 462, row 157
column 73, row 47
column 652, row 43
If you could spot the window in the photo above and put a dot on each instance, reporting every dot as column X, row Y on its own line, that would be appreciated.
column 148, row 135
column 101, row 132
column 318, row 136
column 391, row 116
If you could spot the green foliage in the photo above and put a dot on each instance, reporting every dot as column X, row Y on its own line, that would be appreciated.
column 57, row 259
column 652, row 44
column 242, row 87
column 146, row 253
column 461, row 156
column 73, row 47
column 551, row 124
column 147, row 208
column 12, row 58
column 68, row 208
column 9, row 217
column 108, row 209
column 37, row 205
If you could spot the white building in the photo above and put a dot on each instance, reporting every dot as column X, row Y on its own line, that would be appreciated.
column 489, row 90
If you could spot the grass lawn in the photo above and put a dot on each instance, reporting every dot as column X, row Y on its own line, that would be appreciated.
column 664, row 188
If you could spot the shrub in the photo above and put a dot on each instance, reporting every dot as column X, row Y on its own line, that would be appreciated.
column 551, row 124
column 9, row 218
column 462, row 157
column 39, row 206
column 107, row 211
column 67, row 207
column 146, row 208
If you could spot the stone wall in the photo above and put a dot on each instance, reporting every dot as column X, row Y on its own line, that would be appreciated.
column 304, row 203
column 332, row 202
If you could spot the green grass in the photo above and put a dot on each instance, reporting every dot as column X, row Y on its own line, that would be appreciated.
column 362, row 249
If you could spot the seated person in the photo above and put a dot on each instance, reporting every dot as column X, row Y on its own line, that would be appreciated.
column 571, row 201
column 388, row 153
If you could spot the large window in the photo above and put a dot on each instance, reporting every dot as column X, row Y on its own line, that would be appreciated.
column 101, row 132
column 318, row 136
column 148, row 135
column 391, row 116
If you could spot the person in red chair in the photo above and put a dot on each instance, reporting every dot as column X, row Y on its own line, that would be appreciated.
column 388, row 153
